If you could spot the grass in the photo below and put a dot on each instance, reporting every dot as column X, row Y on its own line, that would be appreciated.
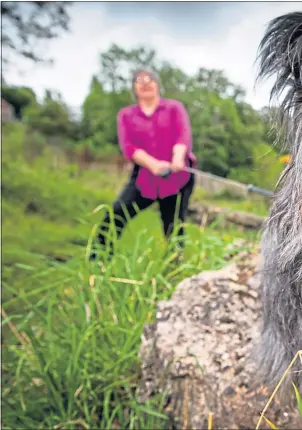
column 256, row 204
column 78, row 363
column 75, row 362
column 70, row 330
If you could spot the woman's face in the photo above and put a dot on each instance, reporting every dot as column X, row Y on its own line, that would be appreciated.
column 145, row 86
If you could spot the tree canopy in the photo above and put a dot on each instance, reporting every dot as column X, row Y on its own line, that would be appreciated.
column 26, row 23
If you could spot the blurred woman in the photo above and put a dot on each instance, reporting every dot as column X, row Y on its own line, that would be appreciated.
column 155, row 135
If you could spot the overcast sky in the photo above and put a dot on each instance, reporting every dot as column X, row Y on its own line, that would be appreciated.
column 220, row 35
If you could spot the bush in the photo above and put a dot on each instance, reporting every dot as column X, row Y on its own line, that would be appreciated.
column 265, row 170
column 13, row 135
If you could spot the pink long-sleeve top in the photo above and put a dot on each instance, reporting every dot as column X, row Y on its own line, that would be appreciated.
column 156, row 134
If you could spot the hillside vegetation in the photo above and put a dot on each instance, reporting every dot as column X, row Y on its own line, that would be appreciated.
column 72, row 329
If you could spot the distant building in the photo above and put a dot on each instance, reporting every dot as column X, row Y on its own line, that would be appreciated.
column 7, row 112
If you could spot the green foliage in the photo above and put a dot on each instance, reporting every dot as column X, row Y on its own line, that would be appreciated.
column 99, row 114
column 229, row 136
column 299, row 399
column 19, row 98
column 50, row 118
column 265, row 169
column 225, row 129
column 118, row 63
column 220, row 139
column 110, row 92
column 82, row 365
column 74, row 362
column 37, row 189
column 46, row 211
column 12, row 142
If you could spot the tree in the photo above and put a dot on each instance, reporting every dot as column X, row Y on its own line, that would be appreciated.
column 100, row 109
column 118, row 63
column 19, row 98
column 94, row 108
column 173, row 80
column 110, row 91
column 50, row 118
column 25, row 23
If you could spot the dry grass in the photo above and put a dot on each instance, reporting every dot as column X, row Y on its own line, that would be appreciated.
column 262, row 416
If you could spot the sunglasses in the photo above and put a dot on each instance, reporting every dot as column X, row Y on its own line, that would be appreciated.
column 143, row 79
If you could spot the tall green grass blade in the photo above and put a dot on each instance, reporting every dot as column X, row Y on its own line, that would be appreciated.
column 299, row 399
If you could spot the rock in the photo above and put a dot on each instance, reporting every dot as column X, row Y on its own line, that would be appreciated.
column 247, row 220
column 206, row 214
column 200, row 350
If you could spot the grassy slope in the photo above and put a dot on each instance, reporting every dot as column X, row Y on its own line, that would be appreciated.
column 75, row 360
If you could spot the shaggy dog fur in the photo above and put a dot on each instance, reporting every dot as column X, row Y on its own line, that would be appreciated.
column 280, row 54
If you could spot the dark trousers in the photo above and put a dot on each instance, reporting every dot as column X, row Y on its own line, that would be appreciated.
column 130, row 202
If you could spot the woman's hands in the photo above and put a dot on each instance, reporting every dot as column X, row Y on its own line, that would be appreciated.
column 158, row 167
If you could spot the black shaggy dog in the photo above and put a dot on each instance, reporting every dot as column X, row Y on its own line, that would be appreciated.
column 280, row 54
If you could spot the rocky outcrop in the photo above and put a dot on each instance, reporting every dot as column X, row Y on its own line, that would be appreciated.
column 200, row 351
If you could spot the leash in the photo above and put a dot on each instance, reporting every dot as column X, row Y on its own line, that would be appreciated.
column 250, row 188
